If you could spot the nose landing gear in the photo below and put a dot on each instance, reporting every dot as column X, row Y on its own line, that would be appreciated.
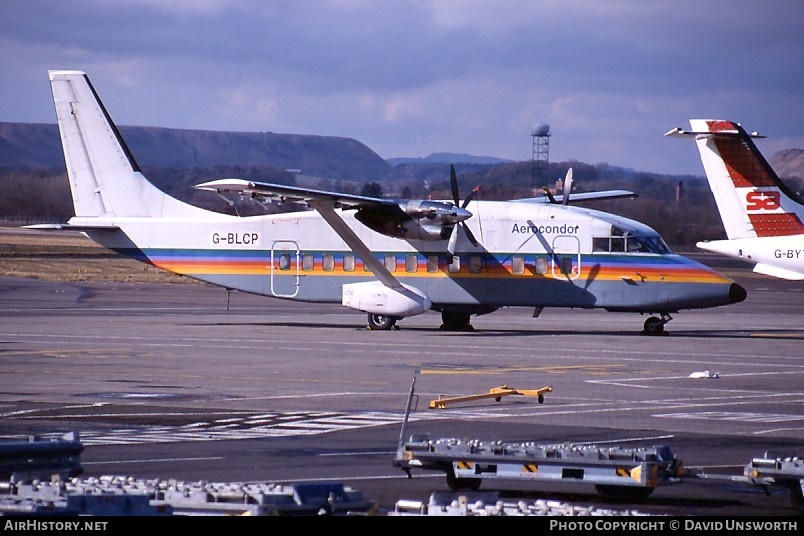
column 655, row 324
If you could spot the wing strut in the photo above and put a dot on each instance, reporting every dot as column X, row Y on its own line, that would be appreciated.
column 327, row 210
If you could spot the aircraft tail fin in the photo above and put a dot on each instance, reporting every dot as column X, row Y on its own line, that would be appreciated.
column 105, row 180
column 751, row 199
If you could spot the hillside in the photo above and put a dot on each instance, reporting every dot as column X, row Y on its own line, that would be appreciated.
column 34, row 146
column 37, row 146
column 789, row 163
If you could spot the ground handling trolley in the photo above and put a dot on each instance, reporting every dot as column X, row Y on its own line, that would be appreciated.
column 614, row 471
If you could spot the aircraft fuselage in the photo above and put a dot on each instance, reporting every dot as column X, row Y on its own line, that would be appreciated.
column 529, row 254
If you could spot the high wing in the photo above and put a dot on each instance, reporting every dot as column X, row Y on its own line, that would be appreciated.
column 415, row 219
column 580, row 196
column 564, row 198
column 294, row 194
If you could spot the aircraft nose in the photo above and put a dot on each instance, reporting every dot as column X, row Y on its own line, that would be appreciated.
column 736, row 293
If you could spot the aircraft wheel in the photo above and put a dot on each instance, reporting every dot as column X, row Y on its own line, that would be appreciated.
column 381, row 322
column 654, row 326
column 451, row 321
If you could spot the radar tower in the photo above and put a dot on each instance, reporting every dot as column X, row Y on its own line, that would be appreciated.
column 541, row 155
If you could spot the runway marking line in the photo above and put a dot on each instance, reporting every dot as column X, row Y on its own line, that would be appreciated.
column 594, row 369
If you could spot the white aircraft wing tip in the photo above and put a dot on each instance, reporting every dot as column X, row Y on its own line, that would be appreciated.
column 223, row 185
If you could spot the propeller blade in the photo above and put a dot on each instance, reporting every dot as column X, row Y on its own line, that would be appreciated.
column 453, row 182
column 453, row 237
column 567, row 187
column 453, row 240
column 469, row 234
column 549, row 195
column 471, row 196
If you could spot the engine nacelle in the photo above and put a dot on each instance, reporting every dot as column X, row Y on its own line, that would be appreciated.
column 414, row 220
column 374, row 297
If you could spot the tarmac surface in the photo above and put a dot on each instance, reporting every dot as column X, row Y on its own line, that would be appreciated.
column 192, row 383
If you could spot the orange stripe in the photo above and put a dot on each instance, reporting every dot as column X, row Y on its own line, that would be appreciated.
column 637, row 273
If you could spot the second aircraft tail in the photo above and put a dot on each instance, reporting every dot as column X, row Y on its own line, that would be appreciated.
column 751, row 199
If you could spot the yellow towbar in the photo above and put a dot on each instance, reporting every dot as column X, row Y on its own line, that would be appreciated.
column 495, row 392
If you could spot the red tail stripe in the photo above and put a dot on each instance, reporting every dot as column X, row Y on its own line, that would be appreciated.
column 784, row 224
column 719, row 126
column 744, row 167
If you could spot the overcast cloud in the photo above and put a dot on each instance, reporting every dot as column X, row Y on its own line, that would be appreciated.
column 414, row 77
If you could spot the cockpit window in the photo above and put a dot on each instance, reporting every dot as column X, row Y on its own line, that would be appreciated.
column 654, row 244
column 635, row 245
column 622, row 241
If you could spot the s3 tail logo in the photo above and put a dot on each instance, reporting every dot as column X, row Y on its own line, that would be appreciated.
column 759, row 200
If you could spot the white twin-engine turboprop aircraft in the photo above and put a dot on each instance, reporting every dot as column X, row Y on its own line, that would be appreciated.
column 389, row 258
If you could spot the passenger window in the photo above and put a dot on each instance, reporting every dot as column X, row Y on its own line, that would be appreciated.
column 475, row 264
column 284, row 261
column 541, row 265
column 411, row 263
column 432, row 263
column 390, row 263
column 518, row 265
column 307, row 262
column 329, row 262
column 566, row 265
column 349, row 263
column 455, row 264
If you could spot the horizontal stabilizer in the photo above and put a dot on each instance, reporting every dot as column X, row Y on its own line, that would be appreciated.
column 68, row 227
column 781, row 273
column 679, row 132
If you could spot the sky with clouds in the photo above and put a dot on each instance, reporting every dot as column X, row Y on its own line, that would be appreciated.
column 413, row 77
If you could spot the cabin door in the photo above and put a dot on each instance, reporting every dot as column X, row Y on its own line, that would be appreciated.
column 567, row 257
column 285, row 266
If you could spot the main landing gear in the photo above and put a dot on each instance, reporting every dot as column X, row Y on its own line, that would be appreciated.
column 381, row 322
column 655, row 325
column 452, row 321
